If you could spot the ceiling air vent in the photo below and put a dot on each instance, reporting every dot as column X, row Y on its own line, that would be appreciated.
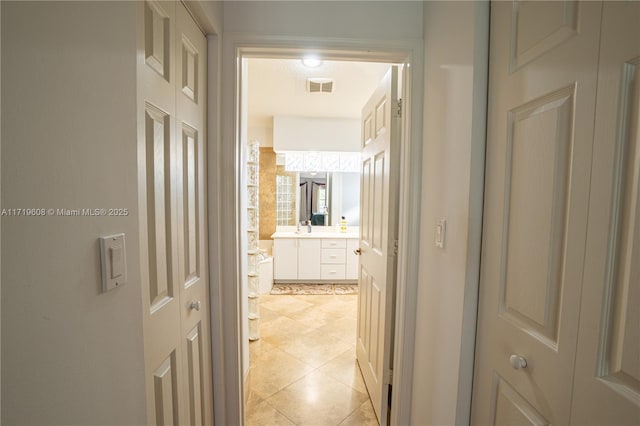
column 319, row 85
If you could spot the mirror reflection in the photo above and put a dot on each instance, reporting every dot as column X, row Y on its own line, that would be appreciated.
column 312, row 193
column 320, row 197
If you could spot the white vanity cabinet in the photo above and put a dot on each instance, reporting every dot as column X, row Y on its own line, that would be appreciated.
column 315, row 258
column 296, row 259
column 285, row 259
column 353, row 260
column 333, row 259
column 308, row 254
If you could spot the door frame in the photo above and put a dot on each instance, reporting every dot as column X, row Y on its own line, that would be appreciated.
column 224, row 180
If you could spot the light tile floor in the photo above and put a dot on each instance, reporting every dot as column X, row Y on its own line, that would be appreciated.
column 303, row 370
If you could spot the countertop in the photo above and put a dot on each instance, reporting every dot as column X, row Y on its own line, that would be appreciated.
column 319, row 234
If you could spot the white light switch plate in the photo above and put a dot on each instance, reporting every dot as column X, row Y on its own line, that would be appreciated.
column 441, row 228
column 113, row 261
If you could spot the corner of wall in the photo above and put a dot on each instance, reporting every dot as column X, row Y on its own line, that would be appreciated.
column 476, row 203
column 214, row 136
column 455, row 49
column 208, row 14
column 0, row 210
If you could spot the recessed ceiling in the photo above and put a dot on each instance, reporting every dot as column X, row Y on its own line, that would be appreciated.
column 279, row 87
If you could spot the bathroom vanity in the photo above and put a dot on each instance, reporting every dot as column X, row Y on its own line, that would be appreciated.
column 315, row 257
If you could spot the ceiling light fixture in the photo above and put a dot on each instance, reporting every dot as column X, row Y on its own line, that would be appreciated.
column 311, row 61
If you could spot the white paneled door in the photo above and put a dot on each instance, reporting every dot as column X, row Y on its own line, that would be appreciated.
column 548, row 315
column 378, row 231
column 171, row 182
column 607, row 375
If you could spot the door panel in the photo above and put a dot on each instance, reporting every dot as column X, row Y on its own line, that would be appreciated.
column 191, row 152
column 511, row 408
column 378, row 232
column 158, row 150
column 190, row 45
column 365, row 222
column 171, row 135
column 540, row 27
column 538, row 148
column 196, row 380
column 156, row 162
column 166, row 392
column 379, row 197
column 607, row 378
column 158, row 17
column 540, row 132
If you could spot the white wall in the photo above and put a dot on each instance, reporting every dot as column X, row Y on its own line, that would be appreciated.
column 456, row 37
column 70, row 353
column 347, row 19
column 264, row 135
column 0, row 220
column 316, row 134
column 351, row 198
column 208, row 14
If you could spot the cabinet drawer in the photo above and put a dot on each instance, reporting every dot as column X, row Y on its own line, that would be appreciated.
column 332, row 256
column 335, row 243
column 332, row 272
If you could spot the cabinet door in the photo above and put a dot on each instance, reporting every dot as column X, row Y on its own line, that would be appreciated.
column 352, row 260
column 309, row 259
column 285, row 259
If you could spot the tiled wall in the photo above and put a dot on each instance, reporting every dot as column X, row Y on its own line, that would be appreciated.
column 267, row 193
column 267, row 224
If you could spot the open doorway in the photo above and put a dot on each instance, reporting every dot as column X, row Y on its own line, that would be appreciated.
column 230, row 334
column 304, row 136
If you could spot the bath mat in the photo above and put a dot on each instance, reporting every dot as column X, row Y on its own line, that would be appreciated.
column 304, row 288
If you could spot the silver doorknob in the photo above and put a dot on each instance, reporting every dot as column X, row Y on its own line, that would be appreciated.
column 518, row 361
column 195, row 305
column 358, row 251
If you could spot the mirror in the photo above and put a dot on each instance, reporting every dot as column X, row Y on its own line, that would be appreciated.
column 313, row 198
column 321, row 197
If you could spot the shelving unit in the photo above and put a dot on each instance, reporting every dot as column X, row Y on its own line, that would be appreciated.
column 253, row 217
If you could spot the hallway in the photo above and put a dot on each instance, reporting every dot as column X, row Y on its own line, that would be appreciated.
column 303, row 369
